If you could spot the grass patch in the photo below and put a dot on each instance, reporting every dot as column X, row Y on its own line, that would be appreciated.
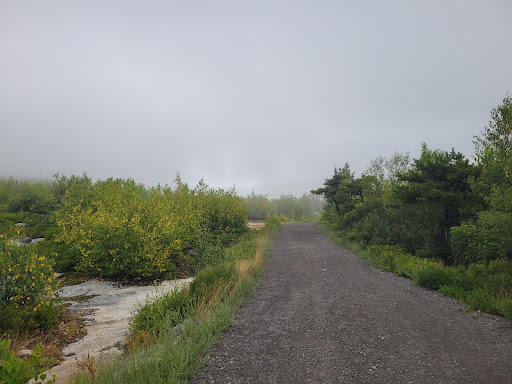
column 159, row 350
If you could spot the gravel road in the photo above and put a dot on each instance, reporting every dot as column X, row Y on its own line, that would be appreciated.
column 321, row 315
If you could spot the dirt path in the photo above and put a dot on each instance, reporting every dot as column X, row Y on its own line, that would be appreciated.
column 321, row 315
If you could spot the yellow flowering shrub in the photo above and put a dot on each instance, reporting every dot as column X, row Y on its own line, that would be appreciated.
column 222, row 211
column 28, row 288
column 120, row 230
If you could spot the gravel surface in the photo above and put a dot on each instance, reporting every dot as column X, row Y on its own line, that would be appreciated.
column 322, row 315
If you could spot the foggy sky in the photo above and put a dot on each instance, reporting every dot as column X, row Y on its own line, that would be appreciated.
column 261, row 95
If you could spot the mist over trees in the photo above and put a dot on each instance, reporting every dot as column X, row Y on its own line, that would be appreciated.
column 286, row 207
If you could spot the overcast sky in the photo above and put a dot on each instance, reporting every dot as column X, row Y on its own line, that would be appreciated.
column 261, row 95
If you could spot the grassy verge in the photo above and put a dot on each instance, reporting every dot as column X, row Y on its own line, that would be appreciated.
column 486, row 287
column 160, row 351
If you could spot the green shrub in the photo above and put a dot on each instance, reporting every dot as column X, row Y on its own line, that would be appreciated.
column 117, row 233
column 31, row 197
column 481, row 299
column 486, row 287
column 453, row 291
column 66, row 258
column 208, row 279
column 273, row 221
column 28, row 295
column 500, row 266
column 37, row 224
column 16, row 370
column 432, row 275
column 504, row 307
column 388, row 256
column 8, row 219
column 120, row 231
column 220, row 211
column 170, row 307
column 463, row 244
column 405, row 265
column 208, row 251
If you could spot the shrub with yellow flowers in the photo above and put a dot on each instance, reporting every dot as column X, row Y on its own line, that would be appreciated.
column 224, row 212
column 28, row 288
column 105, row 223
column 120, row 229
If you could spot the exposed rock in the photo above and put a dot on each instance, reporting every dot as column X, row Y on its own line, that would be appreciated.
column 255, row 225
column 178, row 329
column 107, row 316
column 27, row 240
column 25, row 353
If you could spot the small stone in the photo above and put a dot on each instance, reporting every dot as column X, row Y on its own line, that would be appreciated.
column 26, row 240
column 178, row 329
column 25, row 353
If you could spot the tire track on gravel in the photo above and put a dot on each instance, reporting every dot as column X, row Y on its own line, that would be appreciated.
column 322, row 315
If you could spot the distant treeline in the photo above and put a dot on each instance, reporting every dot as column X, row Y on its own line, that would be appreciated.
column 287, row 207
column 440, row 205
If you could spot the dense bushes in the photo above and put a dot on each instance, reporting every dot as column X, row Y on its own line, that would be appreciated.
column 437, row 219
column 206, row 281
column 16, row 370
column 28, row 289
column 120, row 228
column 441, row 206
column 488, row 235
column 112, row 228
column 27, row 202
column 118, row 231
column 109, row 225
column 169, row 308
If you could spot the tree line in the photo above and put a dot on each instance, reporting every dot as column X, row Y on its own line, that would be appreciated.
column 286, row 207
column 441, row 205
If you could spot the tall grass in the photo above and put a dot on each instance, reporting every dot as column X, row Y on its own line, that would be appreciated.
column 174, row 354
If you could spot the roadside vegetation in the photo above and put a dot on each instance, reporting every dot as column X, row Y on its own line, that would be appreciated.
column 441, row 219
column 171, row 335
column 115, row 229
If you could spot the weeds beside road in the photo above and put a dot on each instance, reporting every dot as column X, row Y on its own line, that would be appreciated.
column 160, row 352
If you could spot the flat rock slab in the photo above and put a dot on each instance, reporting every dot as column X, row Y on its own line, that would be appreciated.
column 107, row 314
column 255, row 225
column 322, row 315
